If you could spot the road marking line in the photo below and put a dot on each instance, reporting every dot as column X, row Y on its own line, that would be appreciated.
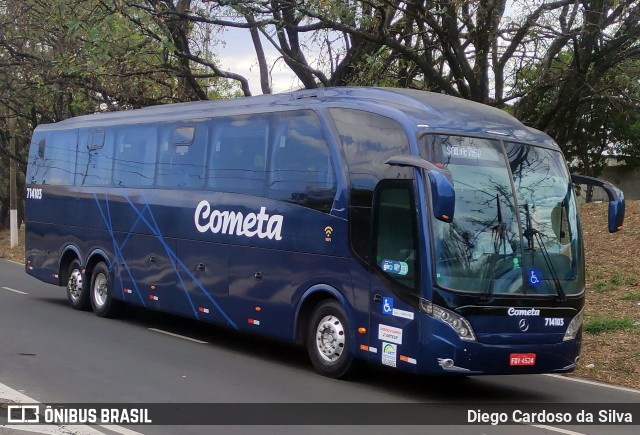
column 13, row 397
column 119, row 429
column 595, row 383
column 53, row 430
column 15, row 291
column 178, row 335
column 14, row 262
column 556, row 429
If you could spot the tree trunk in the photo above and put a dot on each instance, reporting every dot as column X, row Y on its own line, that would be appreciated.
column 589, row 194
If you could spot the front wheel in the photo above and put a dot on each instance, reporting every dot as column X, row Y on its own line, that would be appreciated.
column 102, row 301
column 328, row 340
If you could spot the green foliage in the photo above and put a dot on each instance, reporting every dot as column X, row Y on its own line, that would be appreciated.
column 617, row 278
column 606, row 121
column 599, row 286
column 598, row 325
column 64, row 58
column 633, row 297
column 631, row 280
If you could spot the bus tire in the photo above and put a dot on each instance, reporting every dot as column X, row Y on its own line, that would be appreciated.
column 102, row 301
column 328, row 340
column 77, row 288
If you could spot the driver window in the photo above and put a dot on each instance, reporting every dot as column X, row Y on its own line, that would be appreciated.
column 395, row 233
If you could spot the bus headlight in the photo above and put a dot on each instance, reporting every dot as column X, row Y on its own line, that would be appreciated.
column 454, row 320
column 574, row 326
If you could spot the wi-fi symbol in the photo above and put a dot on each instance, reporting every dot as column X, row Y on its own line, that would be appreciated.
column 328, row 231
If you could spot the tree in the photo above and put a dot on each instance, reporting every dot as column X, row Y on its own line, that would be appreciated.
column 585, row 91
column 64, row 58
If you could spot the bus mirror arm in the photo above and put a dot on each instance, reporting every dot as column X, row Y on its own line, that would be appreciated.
column 616, row 199
column 443, row 194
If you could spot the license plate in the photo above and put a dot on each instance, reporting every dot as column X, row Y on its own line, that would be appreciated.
column 522, row 359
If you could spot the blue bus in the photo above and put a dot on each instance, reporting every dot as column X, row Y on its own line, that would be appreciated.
column 405, row 228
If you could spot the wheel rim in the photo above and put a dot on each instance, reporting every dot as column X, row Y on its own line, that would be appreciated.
column 330, row 338
column 100, row 289
column 75, row 285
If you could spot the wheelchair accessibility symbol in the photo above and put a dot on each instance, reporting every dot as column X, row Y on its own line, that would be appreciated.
column 387, row 306
column 535, row 277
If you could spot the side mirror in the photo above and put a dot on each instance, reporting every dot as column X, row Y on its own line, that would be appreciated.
column 443, row 194
column 616, row 199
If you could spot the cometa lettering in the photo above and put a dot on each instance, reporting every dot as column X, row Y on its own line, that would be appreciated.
column 523, row 312
column 231, row 222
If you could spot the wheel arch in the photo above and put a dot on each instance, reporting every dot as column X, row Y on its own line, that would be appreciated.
column 96, row 256
column 309, row 300
column 69, row 253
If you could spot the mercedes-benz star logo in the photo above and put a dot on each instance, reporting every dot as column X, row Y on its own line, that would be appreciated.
column 523, row 325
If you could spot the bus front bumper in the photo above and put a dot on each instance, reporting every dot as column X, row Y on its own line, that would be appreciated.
column 445, row 353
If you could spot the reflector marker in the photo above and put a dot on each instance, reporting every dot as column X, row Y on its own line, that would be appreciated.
column 203, row 310
column 408, row 360
column 153, row 297
column 128, row 290
column 373, row 349
column 253, row 322
column 364, row 347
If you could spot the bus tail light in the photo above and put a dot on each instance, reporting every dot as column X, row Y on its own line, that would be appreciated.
column 454, row 320
column 574, row 327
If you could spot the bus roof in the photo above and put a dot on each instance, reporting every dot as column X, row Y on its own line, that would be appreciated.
column 428, row 110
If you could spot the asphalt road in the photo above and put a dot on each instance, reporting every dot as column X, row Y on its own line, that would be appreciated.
column 54, row 354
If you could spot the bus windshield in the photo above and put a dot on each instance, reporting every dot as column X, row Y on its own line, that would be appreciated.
column 515, row 229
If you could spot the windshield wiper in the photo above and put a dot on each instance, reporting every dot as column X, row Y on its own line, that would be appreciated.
column 531, row 234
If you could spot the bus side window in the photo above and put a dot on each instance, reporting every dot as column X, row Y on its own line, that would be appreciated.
column 135, row 156
column 95, row 158
column 35, row 169
column 301, row 169
column 182, row 158
column 395, row 232
column 238, row 155
column 368, row 140
column 60, row 158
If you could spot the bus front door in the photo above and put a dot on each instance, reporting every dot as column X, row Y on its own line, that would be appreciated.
column 394, row 327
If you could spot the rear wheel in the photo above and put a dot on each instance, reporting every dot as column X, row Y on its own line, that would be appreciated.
column 328, row 340
column 77, row 288
column 102, row 301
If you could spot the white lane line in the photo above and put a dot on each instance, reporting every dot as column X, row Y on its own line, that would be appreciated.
column 14, row 262
column 556, row 429
column 595, row 383
column 177, row 335
column 13, row 397
column 51, row 430
column 15, row 291
column 120, row 429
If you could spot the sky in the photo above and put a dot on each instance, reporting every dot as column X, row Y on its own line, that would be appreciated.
column 238, row 55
